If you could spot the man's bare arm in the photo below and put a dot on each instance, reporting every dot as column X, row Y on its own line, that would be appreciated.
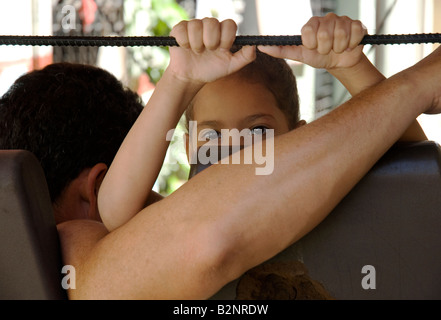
column 217, row 226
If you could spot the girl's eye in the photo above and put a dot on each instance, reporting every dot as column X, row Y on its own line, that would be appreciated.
column 259, row 130
column 209, row 134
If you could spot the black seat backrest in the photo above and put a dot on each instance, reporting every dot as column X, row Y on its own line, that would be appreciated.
column 383, row 240
column 30, row 258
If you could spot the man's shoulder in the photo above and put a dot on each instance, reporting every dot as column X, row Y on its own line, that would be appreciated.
column 81, row 227
column 78, row 237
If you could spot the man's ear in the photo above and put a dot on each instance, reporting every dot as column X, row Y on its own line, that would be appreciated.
column 90, row 191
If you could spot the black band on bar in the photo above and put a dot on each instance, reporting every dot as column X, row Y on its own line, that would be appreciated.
column 114, row 41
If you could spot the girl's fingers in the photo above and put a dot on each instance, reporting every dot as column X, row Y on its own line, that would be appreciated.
column 242, row 57
column 321, row 33
column 211, row 33
column 180, row 33
column 332, row 33
column 195, row 35
column 358, row 31
column 207, row 33
column 325, row 34
column 284, row 52
column 309, row 33
column 228, row 29
column 342, row 34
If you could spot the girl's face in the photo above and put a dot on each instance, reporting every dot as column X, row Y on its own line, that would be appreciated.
column 234, row 103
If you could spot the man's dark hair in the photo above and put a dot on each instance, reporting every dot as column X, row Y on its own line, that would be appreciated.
column 70, row 116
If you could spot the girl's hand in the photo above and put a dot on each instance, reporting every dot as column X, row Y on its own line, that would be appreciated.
column 204, row 52
column 329, row 42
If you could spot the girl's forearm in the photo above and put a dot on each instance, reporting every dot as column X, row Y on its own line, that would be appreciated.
column 131, row 176
column 359, row 77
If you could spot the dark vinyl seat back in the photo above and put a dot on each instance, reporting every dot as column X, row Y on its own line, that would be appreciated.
column 383, row 240
column 30, row 257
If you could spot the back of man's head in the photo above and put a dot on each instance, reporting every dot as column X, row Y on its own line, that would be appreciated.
column 70, row 116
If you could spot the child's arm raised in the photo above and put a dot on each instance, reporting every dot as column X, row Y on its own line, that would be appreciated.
column 203, row 55
column 332, row 42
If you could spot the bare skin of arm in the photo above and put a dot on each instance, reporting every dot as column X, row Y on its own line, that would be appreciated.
column 215, row 227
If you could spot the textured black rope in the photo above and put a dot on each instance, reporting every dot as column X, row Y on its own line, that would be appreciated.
column 77, row 41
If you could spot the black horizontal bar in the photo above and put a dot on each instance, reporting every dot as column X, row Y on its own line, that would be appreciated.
column 116, row 41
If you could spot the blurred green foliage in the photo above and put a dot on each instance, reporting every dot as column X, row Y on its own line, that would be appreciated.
column 157, row 18
column 151, row 18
